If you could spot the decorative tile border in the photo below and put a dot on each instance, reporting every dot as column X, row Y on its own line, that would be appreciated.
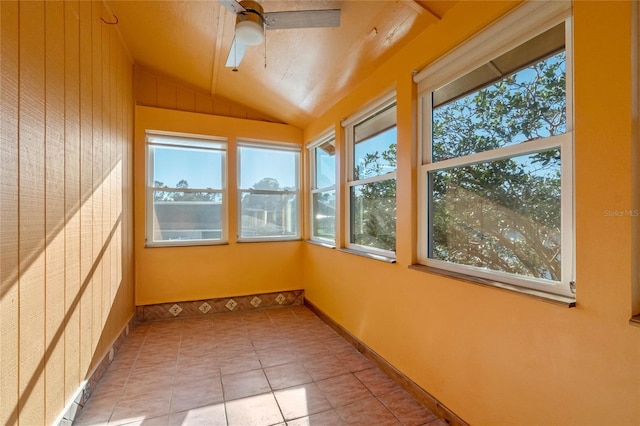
column 199, row 308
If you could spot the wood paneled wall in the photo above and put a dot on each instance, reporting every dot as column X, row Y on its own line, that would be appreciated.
column 66, row 125
column 154, row 90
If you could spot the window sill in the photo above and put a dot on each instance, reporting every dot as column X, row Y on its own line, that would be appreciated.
column 555, row 299
column 379, row 257
column 203, row 244
column 267, row 240
column 635, row 320
column 320, row 243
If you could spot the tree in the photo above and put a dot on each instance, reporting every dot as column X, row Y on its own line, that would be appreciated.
column 373, row 205
column 174, row 194
column 268, row 213
column 503, row 215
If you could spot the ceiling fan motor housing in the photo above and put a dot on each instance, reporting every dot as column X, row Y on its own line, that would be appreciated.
column 250, row 23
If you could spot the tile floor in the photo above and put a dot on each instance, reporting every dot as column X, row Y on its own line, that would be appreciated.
column 274, row 367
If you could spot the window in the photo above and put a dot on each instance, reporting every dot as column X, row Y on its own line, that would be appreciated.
column 186, row 198
column 322, row 162
column 371, row 145
column 497, row 164
column 268, row 193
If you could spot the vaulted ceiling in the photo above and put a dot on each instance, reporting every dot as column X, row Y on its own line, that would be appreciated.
column 307, row 70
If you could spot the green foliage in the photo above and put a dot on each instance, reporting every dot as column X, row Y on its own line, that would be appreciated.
column 502, row 215
column 265, row 214
column 174, row 194
column 373, row 205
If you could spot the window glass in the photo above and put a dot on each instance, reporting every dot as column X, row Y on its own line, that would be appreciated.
column 185, row 191
column 376, row 155
column 325, row 162
column 264, row 168
column 374, row 144
column 322, row 157
column 498, row 165
column 527, row 105
column 371, row 213
column 324, row 217
column 502, row 215
column 187, row 167
column 268, row 193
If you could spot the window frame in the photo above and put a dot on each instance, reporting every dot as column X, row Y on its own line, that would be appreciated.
column 326, row 137
column 378, row 105
column 186, row 141
column 276, row 146
column 521, row 25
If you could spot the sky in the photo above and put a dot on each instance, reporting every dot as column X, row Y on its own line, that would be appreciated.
column 379, row 143
column 201, row 168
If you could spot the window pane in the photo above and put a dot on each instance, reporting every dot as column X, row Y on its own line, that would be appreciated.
column 268, row 215
column 267, row 168
column 187, row 168
column 326, row 165
column 375, row 156
column 527, row 105
column 186, row 216
column 324, row 214
column 373, row 214
column 502, row 215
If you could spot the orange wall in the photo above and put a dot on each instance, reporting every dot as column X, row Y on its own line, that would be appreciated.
column 66, row 247
column 492, row 356
column 205, row 272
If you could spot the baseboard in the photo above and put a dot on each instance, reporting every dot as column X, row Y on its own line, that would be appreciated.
column 82, row 394
column 407, row 384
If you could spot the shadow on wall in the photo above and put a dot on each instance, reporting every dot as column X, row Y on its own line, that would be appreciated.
column 112, row 240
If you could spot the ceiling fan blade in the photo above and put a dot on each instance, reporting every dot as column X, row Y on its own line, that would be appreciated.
column 302, row 19
column 232, row 6
column 235, row 54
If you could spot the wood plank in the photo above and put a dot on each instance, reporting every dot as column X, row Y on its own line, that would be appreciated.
column 222, row 107
column 186, row 99
column 96, row 65
column 167, row 94
column 128, row 196
column 106, row 188
column 72, row 196
column 146, row 88
column 9, row 341
column 86, row 188
column 32, row 213
column 114, row 63
column 55, row 209
column 204, row 104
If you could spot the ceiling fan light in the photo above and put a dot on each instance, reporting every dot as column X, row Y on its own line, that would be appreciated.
column 249, row 32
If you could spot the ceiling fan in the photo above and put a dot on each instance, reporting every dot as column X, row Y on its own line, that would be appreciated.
column 251, row 22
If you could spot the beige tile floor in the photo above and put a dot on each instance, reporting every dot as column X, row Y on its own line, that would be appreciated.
column 274, row 367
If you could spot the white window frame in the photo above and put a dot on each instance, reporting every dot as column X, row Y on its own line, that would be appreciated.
column 184, row 141
column 276, row 146
column 522, row 24
column 349, row 125
column 329, row 136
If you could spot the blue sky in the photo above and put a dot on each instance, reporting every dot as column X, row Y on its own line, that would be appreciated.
column 199, row 167
column 379, row 143
column 257, row 164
